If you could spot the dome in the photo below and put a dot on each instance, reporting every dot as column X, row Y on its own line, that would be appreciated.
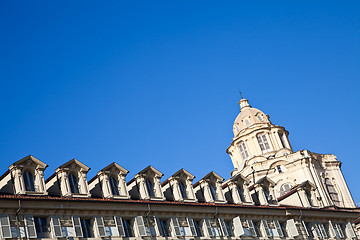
column 248, row 117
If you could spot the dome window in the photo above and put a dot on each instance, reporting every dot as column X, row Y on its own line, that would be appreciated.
column 260, row 117
column 263, row 142
column 247, row 122
column 243, row 151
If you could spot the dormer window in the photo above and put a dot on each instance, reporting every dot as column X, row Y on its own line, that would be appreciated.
column 150, row 188
column 247, row 122
column 213, row 192
column 73, row 181
column 114, row 186
column 182, row 190
column 260, row 117
column 243, row 151
column 263, row 142
column 241, row 193
column 29, row 181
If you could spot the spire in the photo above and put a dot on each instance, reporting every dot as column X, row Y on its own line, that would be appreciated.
column 243, row 103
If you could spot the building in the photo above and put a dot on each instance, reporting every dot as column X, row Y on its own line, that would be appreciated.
column 273, row 193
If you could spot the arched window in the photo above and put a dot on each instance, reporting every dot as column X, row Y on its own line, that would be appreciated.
column 29, row 181
column 243, row 151
column 74, row 186
column 332, row 191
column 150, row 188
column 182, row 190
column 213, row 192
column 260, row 117
column 247, row 122
column 263, row 142
column 285, row 188
column 114, row 186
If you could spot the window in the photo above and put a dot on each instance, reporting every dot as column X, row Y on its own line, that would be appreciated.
column 247, row 122
column 279, row 169
column 308, row 196
column 285, row 188
column 332, row 191
column 114, row 186
column 263, row 142
column 243, row 152
column 29, row 181
column 281, row 135
column 336, row 230
column 198, row 231
column 86, row 228
column 213, row 192
column 30, row 226
column 163, row 228
column 257, row 229
column 127, row 228
column 41, row 227
column 99, row 221
column 182, row 190
column 150, row 188
column 194, row 231
column 319, row 231
column 241, row 192
column 74, row 187
column 5, row 226
column 55, row 226
column 260, row 117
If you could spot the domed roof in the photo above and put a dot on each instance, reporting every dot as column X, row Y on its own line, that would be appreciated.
column 248, row 117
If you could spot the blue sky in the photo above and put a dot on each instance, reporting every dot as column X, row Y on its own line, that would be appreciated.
column 141, row 83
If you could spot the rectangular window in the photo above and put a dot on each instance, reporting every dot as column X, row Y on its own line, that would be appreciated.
column 265, row 228
column 5, row 226
column 175, row 227
column 243, row 151
column 192, row 227
column 86, row 228
column 143, row 230
column 99, row 221
column 198, row 229
column 282, row 140
column 77, row 226
column 41, row 227
column 224, row 228
column 350, row 230
column 30, row 226
column 127, row 228
column 163, row 228
column 119, row 226
column 55, row 226
column 263, row 142
column 291, row 227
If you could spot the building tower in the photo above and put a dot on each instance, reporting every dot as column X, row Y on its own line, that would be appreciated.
column 261, row 149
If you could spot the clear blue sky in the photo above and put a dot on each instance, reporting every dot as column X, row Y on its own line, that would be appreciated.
column 143, row 83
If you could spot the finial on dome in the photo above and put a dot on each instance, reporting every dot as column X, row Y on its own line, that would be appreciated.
column 241, row 97
column 244, row 104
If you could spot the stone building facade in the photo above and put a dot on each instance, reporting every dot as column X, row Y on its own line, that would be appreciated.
column 273, row 193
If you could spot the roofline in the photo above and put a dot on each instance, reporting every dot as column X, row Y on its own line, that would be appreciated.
column 74, row 199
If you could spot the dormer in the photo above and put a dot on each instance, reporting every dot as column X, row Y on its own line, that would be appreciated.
column 209, row 188
column 262, row 192
column 146, row 185
column 110, row 182
column 302, row 195
column 237, row 188
column 179, row 187
column 69, row 180
column 25, row 176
